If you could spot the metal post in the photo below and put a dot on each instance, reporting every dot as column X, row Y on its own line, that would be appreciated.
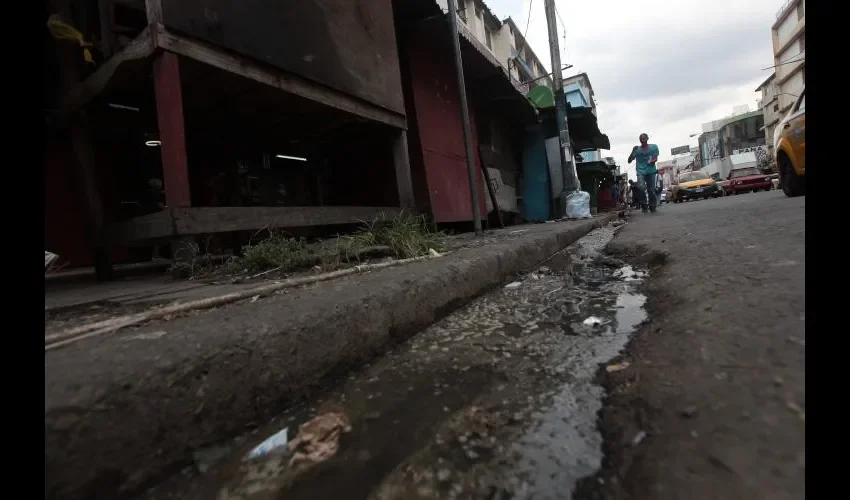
column 464, row 116
column 567, row 166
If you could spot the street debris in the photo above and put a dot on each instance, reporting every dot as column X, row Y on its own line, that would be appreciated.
column 689, row 412
column 433, row 253
column 592, row 321
column 793, row 406
column 512, row 285
column 149, row 336
column 578, row 205
column 639, row 437
column 255, row 298
column 274, row 442
column 616, row 367
column 318, row 439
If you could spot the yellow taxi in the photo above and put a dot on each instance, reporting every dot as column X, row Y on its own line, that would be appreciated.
column 789, row 146
column 694, row 185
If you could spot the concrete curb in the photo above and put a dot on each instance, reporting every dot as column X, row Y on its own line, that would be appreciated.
column 124, row 411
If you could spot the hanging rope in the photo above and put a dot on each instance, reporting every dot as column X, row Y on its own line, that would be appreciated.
column 64, row 31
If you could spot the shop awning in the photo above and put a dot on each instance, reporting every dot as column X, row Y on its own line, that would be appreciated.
column 584, row 128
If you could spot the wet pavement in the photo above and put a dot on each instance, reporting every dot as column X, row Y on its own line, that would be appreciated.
column 497, row 400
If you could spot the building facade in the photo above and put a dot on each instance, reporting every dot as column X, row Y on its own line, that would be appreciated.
column 789, row 53
column 579, row 93
column 769, row 105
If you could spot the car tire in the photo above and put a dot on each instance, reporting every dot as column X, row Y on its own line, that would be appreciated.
column 792, row 184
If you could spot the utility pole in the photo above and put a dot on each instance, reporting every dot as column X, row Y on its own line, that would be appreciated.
column 567, row 165
column 464, row 117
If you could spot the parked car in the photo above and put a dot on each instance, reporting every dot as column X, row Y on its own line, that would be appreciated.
column 694, row 185
column 748, row 179
column 789, row 146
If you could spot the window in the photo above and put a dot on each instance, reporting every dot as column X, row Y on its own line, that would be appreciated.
column 776, row 107
column 802, row 42
column 488, row 38
column 477, row 12
column 461, row 11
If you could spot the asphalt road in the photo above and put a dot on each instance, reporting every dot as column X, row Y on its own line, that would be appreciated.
column 713, row 404
column 503, row 399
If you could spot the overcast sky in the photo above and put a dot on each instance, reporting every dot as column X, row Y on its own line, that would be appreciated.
column 660, row 67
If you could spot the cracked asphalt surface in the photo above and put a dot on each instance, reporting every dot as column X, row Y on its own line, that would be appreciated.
column 716, row 386
column 504, row 399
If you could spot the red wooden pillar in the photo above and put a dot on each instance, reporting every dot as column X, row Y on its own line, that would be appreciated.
column 169, row 112
column 172, row 136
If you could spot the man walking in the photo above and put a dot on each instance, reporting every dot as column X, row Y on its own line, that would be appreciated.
column 646, row 155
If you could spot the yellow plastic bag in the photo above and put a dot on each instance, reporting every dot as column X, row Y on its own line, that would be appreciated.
column 64, row 31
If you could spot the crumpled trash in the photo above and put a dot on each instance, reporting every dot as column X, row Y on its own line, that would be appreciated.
column 592, row 321
column 578, row 205
column 433, row 253
column 318, row 439
column 515, row 284
column 272, row 443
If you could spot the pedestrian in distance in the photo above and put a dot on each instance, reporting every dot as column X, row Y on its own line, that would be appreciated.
column 645, row 155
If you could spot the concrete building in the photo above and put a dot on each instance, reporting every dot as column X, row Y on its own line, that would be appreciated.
column 789, row 53
column 504, row 40
column 579, row 93
column 769, row 105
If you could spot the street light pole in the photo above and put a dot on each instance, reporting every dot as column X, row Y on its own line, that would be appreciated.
column 464, row 117
column 567, row 166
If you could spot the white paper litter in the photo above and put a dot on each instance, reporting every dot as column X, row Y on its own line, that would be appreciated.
column 274, row 442
column 515, row 284
column 592, row 321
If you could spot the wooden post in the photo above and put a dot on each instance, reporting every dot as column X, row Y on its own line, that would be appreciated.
column 169, row 112
column 401, row 158
column 81, row 142
column 172, row 136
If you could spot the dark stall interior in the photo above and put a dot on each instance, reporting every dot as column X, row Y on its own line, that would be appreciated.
column 247, row 144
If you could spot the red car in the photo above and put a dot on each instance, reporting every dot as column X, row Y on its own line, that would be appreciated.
column 744, row 180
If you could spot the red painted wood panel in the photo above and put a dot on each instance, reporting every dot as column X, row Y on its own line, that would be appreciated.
column 169, row 110
column 437, row 113
column 65, row 224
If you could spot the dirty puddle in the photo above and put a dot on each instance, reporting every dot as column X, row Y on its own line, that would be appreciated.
column 496, row 400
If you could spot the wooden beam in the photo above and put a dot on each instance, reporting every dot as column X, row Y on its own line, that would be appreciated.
column 288, row 82
column 208, row 220
column 141, row 47
column 153, row 9
column 189, row 221
column 155, row 226
column 169, row 112
column 404, row 182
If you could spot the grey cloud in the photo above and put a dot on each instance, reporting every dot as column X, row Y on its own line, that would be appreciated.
column 674, row 61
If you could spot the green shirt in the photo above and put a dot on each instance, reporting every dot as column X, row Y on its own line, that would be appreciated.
column 642, row 157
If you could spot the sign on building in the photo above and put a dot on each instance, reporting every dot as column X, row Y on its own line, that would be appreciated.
column 753, row 149
column 680, row 150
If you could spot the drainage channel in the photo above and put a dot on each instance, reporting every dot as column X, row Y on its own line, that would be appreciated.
column 497, row 400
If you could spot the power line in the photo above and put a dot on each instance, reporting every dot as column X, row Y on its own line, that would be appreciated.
column 527, row 24
column 563, row 28
column 790, row 61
